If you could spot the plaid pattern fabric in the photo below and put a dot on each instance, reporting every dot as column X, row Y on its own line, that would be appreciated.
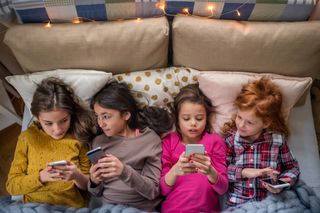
column 269, row 150
column 102, row 10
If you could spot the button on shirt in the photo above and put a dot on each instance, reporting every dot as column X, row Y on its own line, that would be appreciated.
column 268, row 150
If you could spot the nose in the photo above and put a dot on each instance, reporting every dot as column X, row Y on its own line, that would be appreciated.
column 193, row 122
column 241, row 124
column 57, row 128
column 101, row 123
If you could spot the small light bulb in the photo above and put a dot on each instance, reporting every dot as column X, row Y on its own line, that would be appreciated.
column 238, row 13
column 210, row 8
column 76, row 21
column 48, row 25
column 161, row 6
column 185, row 11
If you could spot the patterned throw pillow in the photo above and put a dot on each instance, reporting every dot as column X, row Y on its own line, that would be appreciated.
column 158, row 87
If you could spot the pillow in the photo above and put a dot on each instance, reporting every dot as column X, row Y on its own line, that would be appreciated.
column 229, row 45
column 222, row 88
column 118, row 46
column 85, row 83
column 158, row 87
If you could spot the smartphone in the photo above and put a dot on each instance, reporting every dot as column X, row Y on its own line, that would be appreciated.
column 95, row 154
column 194, row 148
column 277, row 184
column 58, row 163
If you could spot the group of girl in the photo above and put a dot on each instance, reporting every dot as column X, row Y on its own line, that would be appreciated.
column 138, row 165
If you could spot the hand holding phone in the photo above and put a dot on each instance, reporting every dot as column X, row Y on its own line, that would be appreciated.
column 276, row 184
column 95, row 154
column 194, row 148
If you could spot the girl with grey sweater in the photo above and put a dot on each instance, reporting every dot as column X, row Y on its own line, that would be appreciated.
column 129, row 172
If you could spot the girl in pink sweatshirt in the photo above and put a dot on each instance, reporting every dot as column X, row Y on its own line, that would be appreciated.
column 193, row 183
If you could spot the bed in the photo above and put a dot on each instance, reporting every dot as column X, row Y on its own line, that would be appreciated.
column 149, row 46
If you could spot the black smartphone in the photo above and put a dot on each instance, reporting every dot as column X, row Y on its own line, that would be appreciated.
column 277, row 184
column 95, row 154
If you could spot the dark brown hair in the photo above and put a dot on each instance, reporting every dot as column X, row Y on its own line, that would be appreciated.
column 117, row 96
column 52, row 94
column 191, row 93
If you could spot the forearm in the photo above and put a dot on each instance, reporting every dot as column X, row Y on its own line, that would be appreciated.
column 145, row 185
column 81, row 181
column 213, row 175
column 23, row 184
column 234, row 173
column 95, row 189
column 171, row 177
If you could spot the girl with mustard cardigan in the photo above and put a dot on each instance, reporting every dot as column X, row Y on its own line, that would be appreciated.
column 61, row 124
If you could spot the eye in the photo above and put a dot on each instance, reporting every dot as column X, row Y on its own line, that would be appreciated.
column 47, row 124
column 185, row 118
column 250, row 123
column 106, row 117
column 200, row 118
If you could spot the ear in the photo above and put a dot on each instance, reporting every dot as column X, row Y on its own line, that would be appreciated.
column 127, row 116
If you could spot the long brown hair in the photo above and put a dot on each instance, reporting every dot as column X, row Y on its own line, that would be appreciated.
column 117, row 96
column 191, row 93
column 265, row 99
column 52, row 94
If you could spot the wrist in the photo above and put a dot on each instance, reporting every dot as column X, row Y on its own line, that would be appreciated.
column 41, row 178
column 212, row 176
column 93, row 183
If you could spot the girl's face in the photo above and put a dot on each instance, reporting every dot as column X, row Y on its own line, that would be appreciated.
column 55, row 123
column 111, row 121
column 192, row 121
column 249, row 125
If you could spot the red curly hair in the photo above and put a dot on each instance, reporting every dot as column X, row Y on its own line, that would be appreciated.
column 265, row 99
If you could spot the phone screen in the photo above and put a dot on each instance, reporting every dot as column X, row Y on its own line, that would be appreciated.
column 194, row 148
column 273, row 182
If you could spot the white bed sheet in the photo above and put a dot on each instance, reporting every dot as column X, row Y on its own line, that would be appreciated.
column 303, row 143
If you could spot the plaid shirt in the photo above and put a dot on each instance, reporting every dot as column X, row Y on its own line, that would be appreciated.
column 269, row 150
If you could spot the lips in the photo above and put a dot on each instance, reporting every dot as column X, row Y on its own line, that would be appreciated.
column 193, row 131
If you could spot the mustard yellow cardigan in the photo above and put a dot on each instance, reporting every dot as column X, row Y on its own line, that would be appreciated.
column 33, row 151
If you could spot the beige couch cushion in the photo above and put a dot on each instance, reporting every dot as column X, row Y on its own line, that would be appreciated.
column 289, row 48
column 119, row 46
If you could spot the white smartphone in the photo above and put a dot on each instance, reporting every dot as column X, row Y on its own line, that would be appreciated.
column 194, row 148
column 58, row 163
column 277, row 184
column 95, row 154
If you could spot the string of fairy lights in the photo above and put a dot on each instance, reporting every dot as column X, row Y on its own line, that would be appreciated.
column 211, row 8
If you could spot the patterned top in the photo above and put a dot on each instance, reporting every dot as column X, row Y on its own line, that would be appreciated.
column 268, row 150
column 33, row 151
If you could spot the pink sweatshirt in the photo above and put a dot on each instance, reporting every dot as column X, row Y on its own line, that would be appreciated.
column 193, row 192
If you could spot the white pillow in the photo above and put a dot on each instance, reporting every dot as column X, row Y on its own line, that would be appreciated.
column 223, row 87
column 85, row 83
